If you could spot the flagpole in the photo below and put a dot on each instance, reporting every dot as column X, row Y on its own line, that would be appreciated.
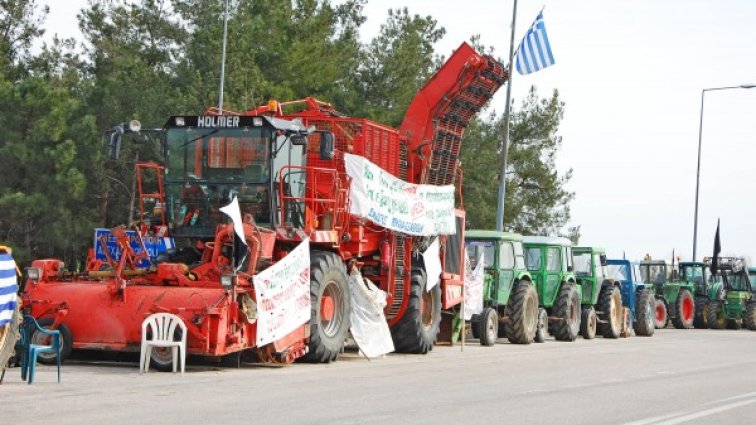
column 505, row 146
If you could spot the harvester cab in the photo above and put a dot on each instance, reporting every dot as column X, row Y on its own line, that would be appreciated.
column 675, row 300
column 601, row 297
column 510, row 300
column 733, row 304
column 636, row 296
column 549, row 260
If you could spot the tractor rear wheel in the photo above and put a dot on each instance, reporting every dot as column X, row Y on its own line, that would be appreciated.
column 522, row 314
column 685, row 308
column 715, row 316
column 644, row 315
column 610, row 312
column 330, row 307
column 41, row 339
column 488, row 326
column 699, row 316
column 660, row 314
column 567, row 310
column 417, row 330
column 749, row 320
column 588, row 323
column 542, row 326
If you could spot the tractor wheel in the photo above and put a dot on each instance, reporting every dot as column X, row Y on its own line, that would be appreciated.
column 330, row 306
column 65, row 340
column 8, row 337
column 610, row 312
column 660, row 314
column 475, row 326
column 542, row 326
column 685, row 308
column 588, row 323
column 715, row 316
column 644, row 315
column 749, row 320
column 567, row 310
column 417, row 330
column 488, row 326
column 699, row 316
column 522, row 314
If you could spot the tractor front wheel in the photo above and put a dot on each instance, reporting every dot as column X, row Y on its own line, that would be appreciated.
column 749, row 320
column 567, row 309
column 610, row 312
column 330, row 306
column 715, row 316
column 699, row 316
column 588, row 323
column 644, row 315
column 542, row 326
column 417, row 330
column 522, row 314
column 660, row 314
column 488, row 326
column 685, row 308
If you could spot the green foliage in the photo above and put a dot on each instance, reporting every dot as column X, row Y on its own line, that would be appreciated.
column 536, row 201
column 150, row 59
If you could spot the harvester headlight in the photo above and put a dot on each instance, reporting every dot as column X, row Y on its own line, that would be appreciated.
column 34, row 273
column 257, row 121
column 135, row 126
column 228, row 280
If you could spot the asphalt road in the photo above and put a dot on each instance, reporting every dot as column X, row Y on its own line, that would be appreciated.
column 674, row 377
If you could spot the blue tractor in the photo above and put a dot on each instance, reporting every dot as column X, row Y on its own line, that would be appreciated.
column 635, row 296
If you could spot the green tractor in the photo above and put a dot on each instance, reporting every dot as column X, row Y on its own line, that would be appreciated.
column 675, row 299
column 731, row 300
column 697, row 273
column 510, row 300
column 601, row 297
column 549, row 261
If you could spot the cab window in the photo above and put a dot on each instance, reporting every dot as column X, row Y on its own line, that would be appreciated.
column 506, row 256
column 552, row 260
column 533, row 258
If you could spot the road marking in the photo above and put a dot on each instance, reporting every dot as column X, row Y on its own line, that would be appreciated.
column 685, row 416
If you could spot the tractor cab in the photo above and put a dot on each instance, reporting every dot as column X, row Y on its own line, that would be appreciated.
column 590, row 270
column 656, row 273
column 731, row 295
column 696, row 273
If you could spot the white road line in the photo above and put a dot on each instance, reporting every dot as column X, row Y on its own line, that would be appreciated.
column 685, row 416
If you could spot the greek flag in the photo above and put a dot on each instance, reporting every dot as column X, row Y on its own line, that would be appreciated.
column 8, row 288
column 534, row 52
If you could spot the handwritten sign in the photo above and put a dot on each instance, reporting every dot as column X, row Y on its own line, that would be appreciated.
column 414, row 209
column 283, row 295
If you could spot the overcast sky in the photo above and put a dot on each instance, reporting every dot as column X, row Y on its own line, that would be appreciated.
column 631, row 74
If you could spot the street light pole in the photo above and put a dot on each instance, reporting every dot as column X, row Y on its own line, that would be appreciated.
column 698, row 168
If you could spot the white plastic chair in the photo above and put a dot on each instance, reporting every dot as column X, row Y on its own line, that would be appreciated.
column 163, row 327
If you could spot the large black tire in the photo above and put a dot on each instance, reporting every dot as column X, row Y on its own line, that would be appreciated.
column 66, row 341
column 475, row 326
column 685, row 309
column 749, row 319
column 588, row 323
column 521, row 314
column 8, row 337
column 328, row 278
column 567, row 311
column 644, row 314
column 417, row 330
column 702, row 308
column 610, row 312
column 661, row 317
column 735, row 324
column 715, row 315
column 542, row 326
column 488, row 326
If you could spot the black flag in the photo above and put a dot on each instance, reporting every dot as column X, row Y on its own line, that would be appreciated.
column 717, row 250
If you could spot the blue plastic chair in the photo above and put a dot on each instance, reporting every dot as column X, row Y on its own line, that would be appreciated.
column 30, row 351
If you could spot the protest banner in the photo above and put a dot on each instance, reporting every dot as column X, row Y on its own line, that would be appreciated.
column 283, row 295
column 414, row 209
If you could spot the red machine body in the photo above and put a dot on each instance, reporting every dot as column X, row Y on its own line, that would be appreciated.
column 105, row 309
